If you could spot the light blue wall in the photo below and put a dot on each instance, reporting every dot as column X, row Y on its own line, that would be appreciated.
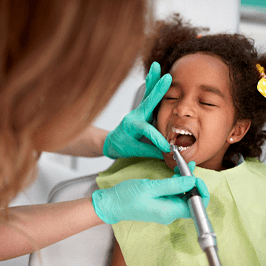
column 254, row 3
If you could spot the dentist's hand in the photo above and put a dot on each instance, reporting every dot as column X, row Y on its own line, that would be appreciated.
column 145, row 200
column 124, row 141
column 202, row 189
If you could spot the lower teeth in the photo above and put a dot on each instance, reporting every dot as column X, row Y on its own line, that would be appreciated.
column 180, row 148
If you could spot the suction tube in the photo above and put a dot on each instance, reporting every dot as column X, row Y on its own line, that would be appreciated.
column 206, row 236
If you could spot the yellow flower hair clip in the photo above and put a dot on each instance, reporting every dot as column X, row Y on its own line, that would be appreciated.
column 262, row 82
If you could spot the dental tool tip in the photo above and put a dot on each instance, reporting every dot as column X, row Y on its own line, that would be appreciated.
column 175, row 147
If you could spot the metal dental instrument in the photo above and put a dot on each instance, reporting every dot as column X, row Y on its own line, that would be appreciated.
column 206, row 236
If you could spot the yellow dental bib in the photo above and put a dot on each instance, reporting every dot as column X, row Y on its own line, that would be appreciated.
column 237, row 211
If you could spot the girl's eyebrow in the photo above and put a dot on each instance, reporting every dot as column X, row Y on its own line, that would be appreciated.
column 206, row 88
column 212, row 90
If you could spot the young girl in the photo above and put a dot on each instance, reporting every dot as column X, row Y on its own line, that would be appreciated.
column 215, row 112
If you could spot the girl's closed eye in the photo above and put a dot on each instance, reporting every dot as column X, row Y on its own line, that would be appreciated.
column 207, row 103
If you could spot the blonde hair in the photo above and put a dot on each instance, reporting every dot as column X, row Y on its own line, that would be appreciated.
column 60, row 63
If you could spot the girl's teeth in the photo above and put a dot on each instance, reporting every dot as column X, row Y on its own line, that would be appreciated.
column 183, row 148
column 181, row 131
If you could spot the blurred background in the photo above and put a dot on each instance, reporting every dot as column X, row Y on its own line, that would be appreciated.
column 234, row 16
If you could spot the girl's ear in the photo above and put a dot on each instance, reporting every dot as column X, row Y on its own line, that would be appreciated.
column 239, row 131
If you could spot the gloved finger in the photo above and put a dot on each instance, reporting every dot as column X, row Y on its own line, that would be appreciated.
column 183, row 209
column 152, row 78
column 146, row 150
column 171, row 186
column 179, row 207
column 203, row 190
column 150, row 132
column 137, row 148
column 191, row 166
column 156, row 95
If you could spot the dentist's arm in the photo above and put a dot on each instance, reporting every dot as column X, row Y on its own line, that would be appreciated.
column 88, row 144
column 34, row 227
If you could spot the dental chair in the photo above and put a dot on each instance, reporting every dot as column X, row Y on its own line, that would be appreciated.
column 93, row 247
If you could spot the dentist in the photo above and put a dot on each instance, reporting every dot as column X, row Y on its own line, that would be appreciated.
column 60, row 63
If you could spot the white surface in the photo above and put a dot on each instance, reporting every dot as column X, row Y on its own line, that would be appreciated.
column 218, row 15
column 255, row 31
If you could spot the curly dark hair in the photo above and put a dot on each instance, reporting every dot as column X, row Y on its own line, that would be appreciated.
column 173, row 40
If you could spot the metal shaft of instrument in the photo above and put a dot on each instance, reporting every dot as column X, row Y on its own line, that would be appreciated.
column 206, row 236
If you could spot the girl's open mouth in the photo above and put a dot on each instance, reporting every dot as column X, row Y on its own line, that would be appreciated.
column 182, row 138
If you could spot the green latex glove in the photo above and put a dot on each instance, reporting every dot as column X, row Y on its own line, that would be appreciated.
column 124, row 141
column 146, row 200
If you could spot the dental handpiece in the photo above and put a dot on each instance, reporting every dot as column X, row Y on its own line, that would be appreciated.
column 206, row 236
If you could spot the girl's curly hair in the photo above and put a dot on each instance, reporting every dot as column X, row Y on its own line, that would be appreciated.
column 171, row 41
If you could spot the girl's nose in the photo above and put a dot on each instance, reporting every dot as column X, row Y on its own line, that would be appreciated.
column 184, row 108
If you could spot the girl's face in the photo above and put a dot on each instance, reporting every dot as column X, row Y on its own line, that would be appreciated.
column 197, row 111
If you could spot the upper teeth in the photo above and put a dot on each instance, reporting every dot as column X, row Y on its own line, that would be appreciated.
column 181, row 131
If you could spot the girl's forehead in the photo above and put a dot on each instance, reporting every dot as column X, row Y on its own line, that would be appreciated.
column 202, row 70
column 201, row 66
column 215, row 61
